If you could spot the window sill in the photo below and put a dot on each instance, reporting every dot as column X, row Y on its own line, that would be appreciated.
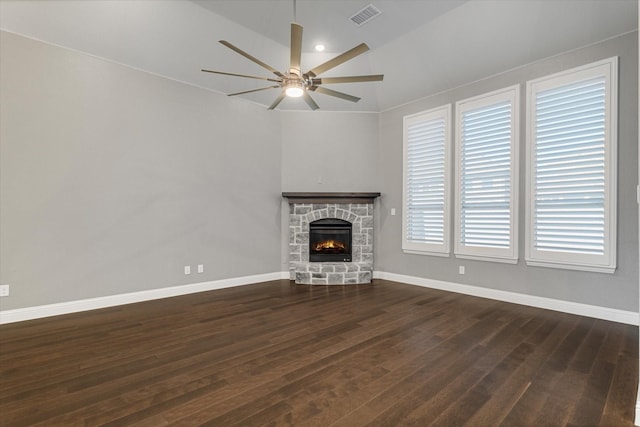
column 488, row 258
column 578, row 267
column 428, row 253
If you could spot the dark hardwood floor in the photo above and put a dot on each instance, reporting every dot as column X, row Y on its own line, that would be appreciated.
column 277, row 353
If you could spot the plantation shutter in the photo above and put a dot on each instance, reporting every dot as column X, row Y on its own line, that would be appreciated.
column 425, row 179
column 485, row 174
column 425, row 215
column 569, row 174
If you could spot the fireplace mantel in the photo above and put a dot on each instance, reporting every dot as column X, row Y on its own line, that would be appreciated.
column 363, row 198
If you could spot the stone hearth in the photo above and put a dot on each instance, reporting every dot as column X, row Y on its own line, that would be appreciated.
column 357, row 208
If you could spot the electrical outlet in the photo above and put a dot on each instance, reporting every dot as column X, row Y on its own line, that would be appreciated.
column 200, row 268
column 461, row 269
column 4, row 290
column 393, row 211
column 187, row 269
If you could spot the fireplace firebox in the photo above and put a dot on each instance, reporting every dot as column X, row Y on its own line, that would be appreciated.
column 330, row 240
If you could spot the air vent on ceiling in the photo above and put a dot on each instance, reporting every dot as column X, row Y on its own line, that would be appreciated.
column 365, row 15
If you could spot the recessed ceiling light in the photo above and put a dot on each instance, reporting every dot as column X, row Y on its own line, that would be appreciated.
column 319, row 47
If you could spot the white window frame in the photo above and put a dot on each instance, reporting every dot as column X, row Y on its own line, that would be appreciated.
column 505, row 255
column 423, row 248
column 605, row 263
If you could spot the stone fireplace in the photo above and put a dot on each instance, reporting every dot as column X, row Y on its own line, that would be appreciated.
column 331, row 238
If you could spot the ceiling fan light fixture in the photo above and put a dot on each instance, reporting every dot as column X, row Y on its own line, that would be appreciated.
column 294, row 92
column 294, row 88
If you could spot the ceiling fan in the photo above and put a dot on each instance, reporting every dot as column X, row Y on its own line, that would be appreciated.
column 294, row 83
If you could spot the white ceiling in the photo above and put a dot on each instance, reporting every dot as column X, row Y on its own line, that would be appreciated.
column 327, row 21
column 421, row 46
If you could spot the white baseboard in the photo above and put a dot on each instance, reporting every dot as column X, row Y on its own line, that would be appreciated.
column 605, row 313
column 37, row 312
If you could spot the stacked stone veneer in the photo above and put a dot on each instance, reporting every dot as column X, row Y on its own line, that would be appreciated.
column 331, row 273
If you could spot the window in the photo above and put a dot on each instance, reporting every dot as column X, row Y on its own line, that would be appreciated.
column 425, row 220
column 571, row 169
column 486, row 172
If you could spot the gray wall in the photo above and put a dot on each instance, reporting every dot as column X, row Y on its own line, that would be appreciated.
column 619, row 290
column 113, row 179
column 339, row 148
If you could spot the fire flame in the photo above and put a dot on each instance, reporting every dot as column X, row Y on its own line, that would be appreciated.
column 328, row 244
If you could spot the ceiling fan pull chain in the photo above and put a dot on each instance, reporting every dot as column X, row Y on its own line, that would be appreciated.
column 295, row 17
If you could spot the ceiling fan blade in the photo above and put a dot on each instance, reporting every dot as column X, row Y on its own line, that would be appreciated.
column 310, row 102
column 296, row 48
column 251, row 58
column 337, row 94
column 277, row 101
column 350, row 54
column 242, row 75
column 350, row 79
column 254, row 90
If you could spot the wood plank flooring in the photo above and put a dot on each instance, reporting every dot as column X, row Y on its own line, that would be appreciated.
column 278, row 354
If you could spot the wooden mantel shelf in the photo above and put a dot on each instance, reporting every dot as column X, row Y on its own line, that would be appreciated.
column 364, row 198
